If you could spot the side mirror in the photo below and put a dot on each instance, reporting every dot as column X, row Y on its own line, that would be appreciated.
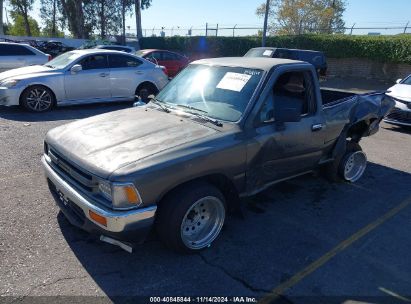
column 76, row 68
column 398, row 80
column 288, row 110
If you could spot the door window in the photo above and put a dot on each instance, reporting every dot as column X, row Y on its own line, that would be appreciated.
column 120, row 61
column 94, row 62
column 14, row 50
column 290, row 87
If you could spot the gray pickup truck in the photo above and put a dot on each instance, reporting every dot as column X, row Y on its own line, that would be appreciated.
column 222, row 129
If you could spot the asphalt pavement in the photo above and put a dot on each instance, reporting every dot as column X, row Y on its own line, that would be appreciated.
column 302, row 241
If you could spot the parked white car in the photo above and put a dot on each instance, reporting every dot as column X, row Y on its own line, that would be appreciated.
column 15, row 55
column 401, row 93
column 81, row 76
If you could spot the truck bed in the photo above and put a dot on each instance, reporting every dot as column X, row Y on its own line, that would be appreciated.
column 330, row 96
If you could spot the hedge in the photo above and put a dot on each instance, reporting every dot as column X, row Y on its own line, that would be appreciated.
column 394, row 49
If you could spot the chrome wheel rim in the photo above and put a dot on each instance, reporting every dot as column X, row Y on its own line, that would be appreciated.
column 39, row 100
column 355, row 166
column 202, row 223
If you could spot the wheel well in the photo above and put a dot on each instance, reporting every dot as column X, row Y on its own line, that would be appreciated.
column 359, row 129
column 38, row 85
column 220, row 181
column 149, row 84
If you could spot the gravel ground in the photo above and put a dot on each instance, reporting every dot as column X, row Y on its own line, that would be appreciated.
column 276, row 235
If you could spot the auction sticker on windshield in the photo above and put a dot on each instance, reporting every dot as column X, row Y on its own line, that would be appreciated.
column 267, row 53
column 233, row 81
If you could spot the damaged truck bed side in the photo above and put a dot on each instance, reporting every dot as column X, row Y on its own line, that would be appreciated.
column 221, row 129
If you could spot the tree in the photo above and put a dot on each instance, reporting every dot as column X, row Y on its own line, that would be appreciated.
column 138, row 6
column 18, row 28
column 50, row 30
column 1, row 17
column 73, row 14
column 22, row 8
column 295, row 17
column 50, row 12
column 105, row 16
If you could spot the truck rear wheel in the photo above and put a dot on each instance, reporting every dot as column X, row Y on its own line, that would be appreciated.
column 191, row 218
column 349, row 167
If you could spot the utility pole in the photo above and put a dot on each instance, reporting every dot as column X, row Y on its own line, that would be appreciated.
column 332, row 18
column 123, row 16
column 267, row 9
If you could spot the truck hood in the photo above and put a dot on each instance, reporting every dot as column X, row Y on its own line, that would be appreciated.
column 401, row 91
column 105, row 143
column 27, row 72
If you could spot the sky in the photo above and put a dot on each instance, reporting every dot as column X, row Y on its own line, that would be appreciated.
column 187, row 13
column 184, row 14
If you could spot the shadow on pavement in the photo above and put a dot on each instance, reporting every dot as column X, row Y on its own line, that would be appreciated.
column 61, row 113
column 280, row 232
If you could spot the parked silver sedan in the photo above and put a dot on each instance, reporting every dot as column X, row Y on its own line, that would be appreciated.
column 17, row 55
column 81, row 76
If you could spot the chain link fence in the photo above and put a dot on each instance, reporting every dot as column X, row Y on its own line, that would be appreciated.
column 254, row 30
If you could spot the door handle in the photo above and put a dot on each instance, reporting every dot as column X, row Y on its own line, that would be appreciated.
column 103, row 74
column 316, row 127
column 139, row 72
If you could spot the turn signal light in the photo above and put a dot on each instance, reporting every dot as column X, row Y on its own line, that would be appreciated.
column 98, row 218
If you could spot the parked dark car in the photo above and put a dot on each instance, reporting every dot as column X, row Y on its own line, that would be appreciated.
column 316, row 58
column 223, row 128
column 173, row 62
column 55, row 48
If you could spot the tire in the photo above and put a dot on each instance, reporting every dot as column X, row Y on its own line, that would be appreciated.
column 37, row 99
column 191, row 217
column 145, row 90
column 348, row 167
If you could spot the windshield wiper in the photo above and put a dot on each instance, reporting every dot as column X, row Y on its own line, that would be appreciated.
column 202, row 116
column 161, row 105
column 49, row 66
column 191, row 108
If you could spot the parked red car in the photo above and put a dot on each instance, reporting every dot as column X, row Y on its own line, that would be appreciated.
column 173, row 62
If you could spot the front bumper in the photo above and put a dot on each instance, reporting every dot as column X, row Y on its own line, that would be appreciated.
column 130, row 225
column 10, row 96
column 400, row 114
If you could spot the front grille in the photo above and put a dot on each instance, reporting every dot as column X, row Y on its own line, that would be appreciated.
column 77, row 175
column 399, row 115
column 75, row 212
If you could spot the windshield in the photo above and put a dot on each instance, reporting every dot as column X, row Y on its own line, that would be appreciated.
column 407, row 80
column 63, row 60
column 140, row 53
column 217, row 92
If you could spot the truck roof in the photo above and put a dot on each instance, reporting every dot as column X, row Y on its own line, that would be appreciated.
column 261, row 63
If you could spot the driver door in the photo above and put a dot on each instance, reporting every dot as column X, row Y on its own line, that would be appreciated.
column 92, row 83
column 281, row 150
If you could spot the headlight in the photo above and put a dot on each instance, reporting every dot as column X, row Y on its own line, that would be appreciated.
column 9, row 83
column 122, row 195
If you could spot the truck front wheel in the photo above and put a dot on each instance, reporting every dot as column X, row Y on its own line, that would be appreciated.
column 350, row 167
column 191, row 218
